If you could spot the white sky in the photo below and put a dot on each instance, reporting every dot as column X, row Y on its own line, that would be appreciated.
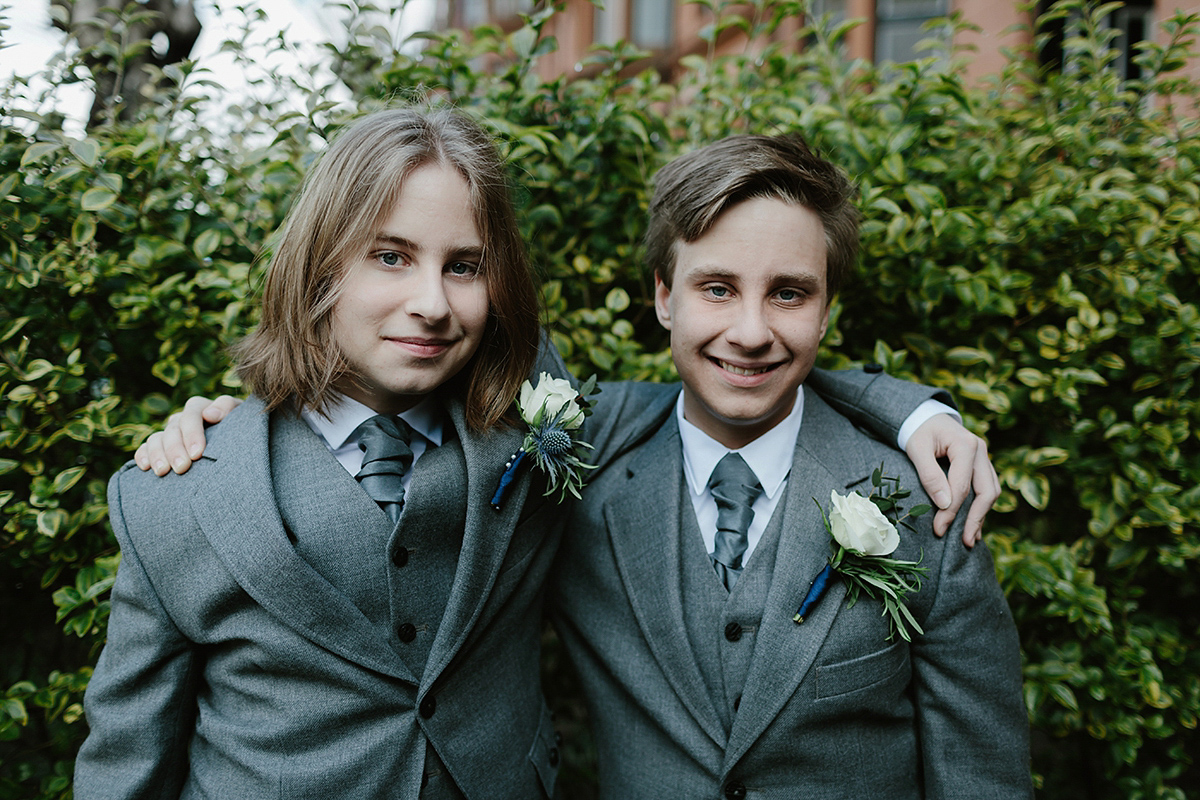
column 32, row 41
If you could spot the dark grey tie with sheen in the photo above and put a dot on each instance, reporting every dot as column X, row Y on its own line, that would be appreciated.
column 386, row 457
column 735, row 488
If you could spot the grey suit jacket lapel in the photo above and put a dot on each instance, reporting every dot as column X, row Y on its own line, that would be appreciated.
column 642, row 523
column 486, row 537
column 328, row 513
column 236, row 510
column 785, row 651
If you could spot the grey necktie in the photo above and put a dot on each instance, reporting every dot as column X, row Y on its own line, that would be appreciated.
column 386, row 457
column 734, row 487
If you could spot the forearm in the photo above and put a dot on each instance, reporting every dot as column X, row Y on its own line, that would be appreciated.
column 873, row 400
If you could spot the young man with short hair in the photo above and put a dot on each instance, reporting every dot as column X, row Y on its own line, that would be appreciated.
column 698, row 679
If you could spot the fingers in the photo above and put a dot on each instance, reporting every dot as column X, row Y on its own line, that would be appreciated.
column 183, row 438
column 174, row 450
column 987, row 489
column 960, row 450
column 218, row 409
column 151, row 455
column 924, row 459
column 197, row 414
column 942, row 436
column 927, row 444
column 182, row 441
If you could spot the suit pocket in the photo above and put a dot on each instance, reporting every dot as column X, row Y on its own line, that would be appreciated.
column 870, row 671
column 544, row 753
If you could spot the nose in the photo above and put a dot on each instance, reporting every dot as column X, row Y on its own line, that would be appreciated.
column 751, row 330
column 428, row 298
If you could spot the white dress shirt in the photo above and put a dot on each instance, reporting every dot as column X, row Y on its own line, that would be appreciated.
column 770, row 458
column 346, row 414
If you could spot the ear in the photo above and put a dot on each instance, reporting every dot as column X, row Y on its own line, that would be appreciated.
column 825, row 320
column 662, row 302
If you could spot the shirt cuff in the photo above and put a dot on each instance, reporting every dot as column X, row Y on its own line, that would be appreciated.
column 930, row 408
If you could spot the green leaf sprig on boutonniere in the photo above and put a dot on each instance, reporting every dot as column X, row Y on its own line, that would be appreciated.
column 862, row 538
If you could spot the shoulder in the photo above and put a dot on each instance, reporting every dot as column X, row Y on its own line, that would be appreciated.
column 142, row 501
column 625, row 415
column 854, row 455
column 617, row 398
column 840, row 443
column 245, row 427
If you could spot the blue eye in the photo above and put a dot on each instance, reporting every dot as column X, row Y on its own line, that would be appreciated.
column 462, row 268
column 718, row 291
column 389, row 258
column 793, row 296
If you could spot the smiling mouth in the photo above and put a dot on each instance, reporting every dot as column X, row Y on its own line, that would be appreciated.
column 421, row 346
column 419, row 341
column 736, row 370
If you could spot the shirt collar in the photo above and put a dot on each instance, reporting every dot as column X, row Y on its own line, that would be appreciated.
column 769, row 456
column 345, row 414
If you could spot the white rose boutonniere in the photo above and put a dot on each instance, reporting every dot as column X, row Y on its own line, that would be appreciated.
column 553, row 410
column 863, row 538
column 857, row 524
column 554, row 398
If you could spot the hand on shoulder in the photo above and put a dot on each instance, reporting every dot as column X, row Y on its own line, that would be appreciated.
column 942, row 436
column 182, row 441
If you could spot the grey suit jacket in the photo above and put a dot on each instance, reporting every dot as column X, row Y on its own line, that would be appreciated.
column 829, row 708
column 234, row 669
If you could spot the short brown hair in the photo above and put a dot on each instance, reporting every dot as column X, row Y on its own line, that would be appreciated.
column 692, row 191
column 291, row 358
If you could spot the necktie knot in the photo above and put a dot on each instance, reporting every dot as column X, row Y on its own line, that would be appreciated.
column 387, row 456
column 734, row 487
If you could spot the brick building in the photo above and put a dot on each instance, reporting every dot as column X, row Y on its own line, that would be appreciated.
column 890, row 31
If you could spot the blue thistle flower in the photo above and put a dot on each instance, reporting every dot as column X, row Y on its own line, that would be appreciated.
column 553, row 442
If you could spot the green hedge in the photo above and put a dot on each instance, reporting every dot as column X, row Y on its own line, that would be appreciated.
column 1032, row 244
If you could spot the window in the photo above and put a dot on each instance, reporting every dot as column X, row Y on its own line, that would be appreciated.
column 646, row 23
column 899, row 26
column 1133, row 22
column 836, row 9
column 472, row 13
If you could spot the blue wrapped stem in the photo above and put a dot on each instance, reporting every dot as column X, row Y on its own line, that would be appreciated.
column 507, row 478
column 815, row 592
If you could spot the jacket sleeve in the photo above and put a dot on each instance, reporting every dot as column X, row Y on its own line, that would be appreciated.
column 140, row 702
column 973, row 727
column 873, row 400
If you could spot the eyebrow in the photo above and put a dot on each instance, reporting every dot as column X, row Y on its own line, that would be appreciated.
column 399, row 242
column 778, row 279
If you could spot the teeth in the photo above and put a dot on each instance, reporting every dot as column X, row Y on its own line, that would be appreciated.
column 740, row 371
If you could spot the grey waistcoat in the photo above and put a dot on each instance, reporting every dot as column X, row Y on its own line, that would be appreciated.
column 399, row 577
column 722, row 626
